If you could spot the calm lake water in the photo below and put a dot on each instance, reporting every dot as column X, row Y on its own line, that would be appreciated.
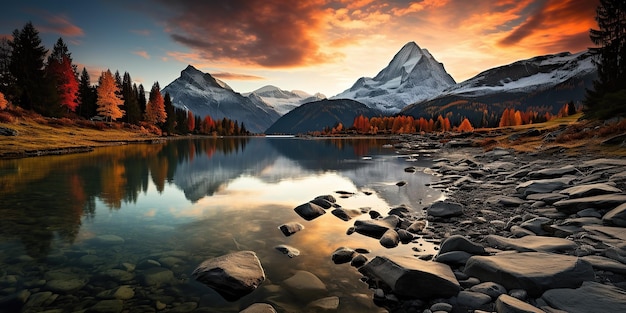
column 75, row 227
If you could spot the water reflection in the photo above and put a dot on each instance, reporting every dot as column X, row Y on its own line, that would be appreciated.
column 191, row 199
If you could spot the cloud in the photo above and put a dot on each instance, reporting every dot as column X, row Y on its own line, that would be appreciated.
column 61, row 25
column 141, row 32
column 142, row 53
column 236, row 76
column 269, row 33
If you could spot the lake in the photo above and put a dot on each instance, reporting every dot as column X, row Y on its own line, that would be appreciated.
column 124, row 226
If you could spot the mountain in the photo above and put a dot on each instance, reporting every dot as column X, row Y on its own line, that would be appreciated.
column 314, row 116
column 284, row 101
column 543, row 84
column 205, row 95
column 413, row 75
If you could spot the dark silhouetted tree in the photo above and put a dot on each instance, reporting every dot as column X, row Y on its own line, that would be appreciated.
column 87, row 96
column 131, row 104
column 170, row 121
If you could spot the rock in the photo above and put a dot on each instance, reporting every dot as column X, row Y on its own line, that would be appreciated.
column 417, row 226
column 342, row 214
column 537, row 225
column 531, row 243
column 616, row 252
column 38, row 300
column 460, row 243
column 185, row 307
column 305, row 286
column 329, row 198
column 441, row 307
column 589, row 190
column 493, row 290
column 471, row 299
column 157, row 276
column 405, row 236
column 118, row 275
column 605, row 264
column 445, row 209
column 5, row 131
column 259, row 308
column 534, row 272
column 606, row 234
column 548, row 198
column 608, row 201
column 358, row 261
column 590, row 297
column 14, row 302
column 342, row 255
column 413, row 278
column 543, row 185
column 309, row 211
column 376, row 228
column 323, row 203
column 121, row 293
column 453, row 257
column 616, row 217
column 553, row 172
column 508, row 304
column 146, row 264
column 506, row 201
column 65, row 285
column 401, row 183
column 288, row 250
column 328, row 304
column 107, row 306
column 291, row 228
column 233, row 275
column 390, row 239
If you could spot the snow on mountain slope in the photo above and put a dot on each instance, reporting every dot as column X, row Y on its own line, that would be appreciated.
column 204, row 95
column 412, row 75
column 284, row 101
column 540, row 72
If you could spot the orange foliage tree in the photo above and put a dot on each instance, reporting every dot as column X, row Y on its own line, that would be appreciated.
column 64, row 75
column 155, row 109
column 109, row 100
column 3, row 102
column 191, row 121
column 465, row 126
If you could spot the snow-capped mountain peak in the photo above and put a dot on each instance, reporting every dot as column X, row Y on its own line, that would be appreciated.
column 283, row 101
column 412, row 75
column 201, row 80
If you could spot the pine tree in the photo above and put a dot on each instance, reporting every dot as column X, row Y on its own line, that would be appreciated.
column 609, row 95
column 131, row 104
column 170, row 121
column 86, row 96
column 155, row 109
column 141, row 98
column 6, row 79
column 30, row 90
column 108, row 97
column 62, row 72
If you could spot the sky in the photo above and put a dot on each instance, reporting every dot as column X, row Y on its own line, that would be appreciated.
column 310, row 45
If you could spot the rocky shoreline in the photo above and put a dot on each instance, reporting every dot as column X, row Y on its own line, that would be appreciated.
column 518, row 232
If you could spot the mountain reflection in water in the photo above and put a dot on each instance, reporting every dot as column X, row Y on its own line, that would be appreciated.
column 196, row 199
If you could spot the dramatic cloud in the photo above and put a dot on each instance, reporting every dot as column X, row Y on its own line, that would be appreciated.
column 236, row 76
column 269, row 33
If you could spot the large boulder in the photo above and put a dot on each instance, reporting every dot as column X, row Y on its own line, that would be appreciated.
column 233, row 275
column 534, row 272
column 590, row 297
column 413, row 278
column 531, row 243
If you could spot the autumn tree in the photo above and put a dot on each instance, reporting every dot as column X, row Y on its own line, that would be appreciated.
column 3, row 102
column 63, row 75
column 108, row 97
column 608, row 97
column 191, row 121
column 155, row 109
column 465, row 126
column 87, row 96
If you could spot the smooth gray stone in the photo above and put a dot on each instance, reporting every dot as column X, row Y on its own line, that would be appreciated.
column 288, row 250
column 590, row 297
column 590, row 190
column 376, row 228
column 491, row 289
column 390, row 239
column 537, row 225
column 616, row 217
column 506, row 201
column 445, row 209
column 453, row 257
column 617, row 252
column 460, row 243
column 232, row 275
column 309, row 211
column 358, row 261
column 305, row 286
column 606, row 234
column 531, row 243
column 157, row 276
column 413, row 278
column 605, row 264
column 343, row 255
column 328, row 304
column 548, row 198
column 543, row 185
column 553, row 172
column 604, row 161
column 291, row 228
column 608, row 201
column 534, row 272
column 508, row 304
column 107, row 306
column 471, row 299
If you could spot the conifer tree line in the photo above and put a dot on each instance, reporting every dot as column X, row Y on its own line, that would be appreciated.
column 53, row 87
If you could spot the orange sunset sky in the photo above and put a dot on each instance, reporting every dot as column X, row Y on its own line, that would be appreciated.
column 311, row 45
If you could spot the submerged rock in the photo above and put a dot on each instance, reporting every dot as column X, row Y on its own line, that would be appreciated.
column 309, row 211
column 233, row 275
column 291, row 228
column 288, row 250
column 305, row 286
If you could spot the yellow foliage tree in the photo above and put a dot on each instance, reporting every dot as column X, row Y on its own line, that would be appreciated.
column 109, row 100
